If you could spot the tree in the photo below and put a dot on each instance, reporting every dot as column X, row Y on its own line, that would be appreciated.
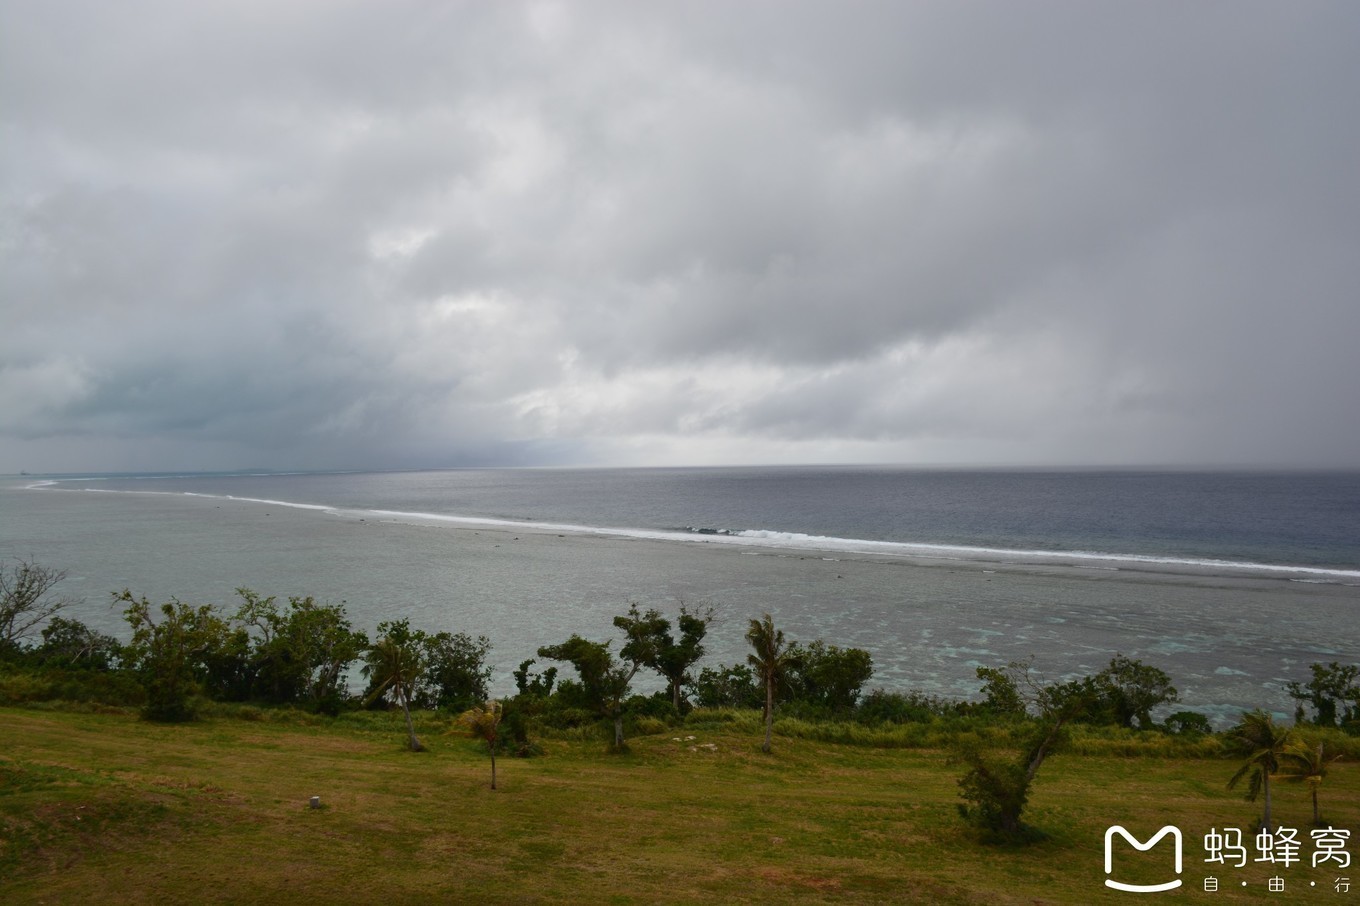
column 771, row 661
column 650, row 642
column 828, row 676
column 393, row 663
column 604, row 680
column 1188, row 723
column 324, row 642
column 998, row 789
column 1128, row 690
column 27, row 599
column 226, row 671
column 533, row 689
column 300, row 654
column 170, row 653
column 456, row 672
column 1001, row 697
column 1334, row 693
column 728, row 686
column 275, row 671
column 1300, row 763
column 1261, row 742
column 483, row 722
column 534, row 685
column 71, row 642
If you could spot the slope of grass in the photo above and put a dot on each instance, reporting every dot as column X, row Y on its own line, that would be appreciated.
column 104, row 808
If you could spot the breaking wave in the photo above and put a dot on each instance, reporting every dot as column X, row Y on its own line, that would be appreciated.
column 956, row 551
column 796, row 541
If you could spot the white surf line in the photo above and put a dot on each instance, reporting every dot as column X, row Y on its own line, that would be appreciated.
column 320, row 507
column 1056, row 557
column 824, row 544
column 788, row 540
column 325, row 508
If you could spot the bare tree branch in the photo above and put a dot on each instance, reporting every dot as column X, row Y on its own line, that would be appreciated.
column 26, row 598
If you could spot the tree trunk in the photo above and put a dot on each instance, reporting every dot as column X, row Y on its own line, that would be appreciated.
column 618, row 731
column 1265, row 779
column 675, row 695
column 769, row 714
column 410, row 727
column 1041, row 752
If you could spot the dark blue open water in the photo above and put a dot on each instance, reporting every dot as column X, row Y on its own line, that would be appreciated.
column 1296, row 519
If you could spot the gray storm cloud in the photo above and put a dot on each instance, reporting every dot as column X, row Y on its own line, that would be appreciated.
column 330, row 235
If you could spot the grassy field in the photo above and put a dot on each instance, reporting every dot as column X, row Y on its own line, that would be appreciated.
column 105, row 808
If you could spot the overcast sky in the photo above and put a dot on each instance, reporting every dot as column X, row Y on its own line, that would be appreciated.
column 410, row 234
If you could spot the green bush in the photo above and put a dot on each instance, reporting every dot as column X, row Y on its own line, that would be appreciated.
column 1085, row 739
column 881, row 707
column 657, row 706
column 21, row 688
column 40, row 684
column 996, row 791
column 1188, row 723
column 728, row 686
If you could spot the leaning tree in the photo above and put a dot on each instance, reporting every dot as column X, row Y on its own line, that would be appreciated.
column 1302, row 763
column 651, row 643
column 393, row 663
column 1263, row 743
column 605, row 680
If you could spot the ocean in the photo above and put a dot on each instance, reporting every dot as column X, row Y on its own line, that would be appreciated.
column 1231, row 582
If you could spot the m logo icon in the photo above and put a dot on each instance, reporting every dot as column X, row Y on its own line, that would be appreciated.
column 1174, row 831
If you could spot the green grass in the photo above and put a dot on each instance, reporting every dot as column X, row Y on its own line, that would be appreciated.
column 105, row 808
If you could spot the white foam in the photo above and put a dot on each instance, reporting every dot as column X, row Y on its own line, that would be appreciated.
column 285, row 503
column 817, row 543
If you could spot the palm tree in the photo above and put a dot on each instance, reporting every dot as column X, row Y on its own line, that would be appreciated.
column 484, row 724
column 1262, row 742
column 771, row 660
column 394, row 662
column 1307, row 764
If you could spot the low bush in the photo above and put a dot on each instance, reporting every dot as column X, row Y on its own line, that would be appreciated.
column 882, row 707
column 19, row 685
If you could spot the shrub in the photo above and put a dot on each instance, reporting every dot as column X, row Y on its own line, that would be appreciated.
column 22, row 688
column 996, row 791
column 516, row 717
column 1188, row 723
column 657, row 706
column 728, row 686
column 828, row 675
column 880, row 707
column 40, row 684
